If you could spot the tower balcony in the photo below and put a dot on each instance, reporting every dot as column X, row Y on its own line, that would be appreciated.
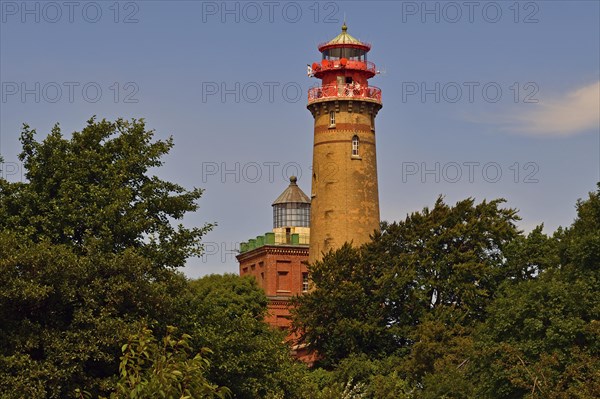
column 336, row 65
column 350, row 91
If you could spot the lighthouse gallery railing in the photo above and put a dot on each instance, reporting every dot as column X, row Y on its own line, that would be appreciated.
column 350, row 90
column 328, row 65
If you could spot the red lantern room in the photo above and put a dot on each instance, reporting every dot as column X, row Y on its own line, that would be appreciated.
column 344, row 70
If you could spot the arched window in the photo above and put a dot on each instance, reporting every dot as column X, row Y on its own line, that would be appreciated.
column 355, row 143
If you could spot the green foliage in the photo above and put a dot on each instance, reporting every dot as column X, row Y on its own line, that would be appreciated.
column 580, row 244
column 249, row 357
column 371, row 300
column 95, row 187
column 345, row 314
column 527, row 256
column 541, row 341
column 454, row 302
column 542, row 337
column 440, row 344
column 166, row 369
column 64, row 316
column 451, row 257
column 379, row 379
column 359, row 377
column 87, row 252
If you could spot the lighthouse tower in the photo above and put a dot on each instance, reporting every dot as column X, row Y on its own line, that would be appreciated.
column 344, row 195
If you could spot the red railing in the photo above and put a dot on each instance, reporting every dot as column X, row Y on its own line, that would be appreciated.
column 346, row 91
column 349, row 64
column 346, row 45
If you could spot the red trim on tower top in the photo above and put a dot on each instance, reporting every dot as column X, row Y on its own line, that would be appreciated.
column 327, row 46
column 346, row 92
column 337, row 65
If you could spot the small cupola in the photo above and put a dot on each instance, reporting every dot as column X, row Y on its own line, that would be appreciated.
column 292, row 207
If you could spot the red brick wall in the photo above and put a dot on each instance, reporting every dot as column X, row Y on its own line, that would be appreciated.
column 277, row 269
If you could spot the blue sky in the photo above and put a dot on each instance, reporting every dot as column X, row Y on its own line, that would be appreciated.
column 481, row 99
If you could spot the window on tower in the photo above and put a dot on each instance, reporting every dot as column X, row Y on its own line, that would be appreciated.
column 355, row 144
column 332, row 119
column 349, row 53
column 304, row 282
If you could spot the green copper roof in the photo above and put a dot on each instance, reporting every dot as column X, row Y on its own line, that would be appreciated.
column 344, row 38
column 292, row 194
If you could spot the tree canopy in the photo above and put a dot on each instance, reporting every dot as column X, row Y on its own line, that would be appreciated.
column 440, row 263
column 87, row 249
column 451, row 302
column 458, row 303
column 88, row 263
column 96, row 186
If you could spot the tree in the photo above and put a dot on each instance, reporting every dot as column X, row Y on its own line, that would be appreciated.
column 166, row 369
column 528, row 256
column 64, row 316
column 450, row 257
column 472, row 307
column 345, row 313
column 249, row 357
column 95, row 186
column 380, row 379
column 446, row 261
column 443, row 359
column 87, row 253
column 541, row 339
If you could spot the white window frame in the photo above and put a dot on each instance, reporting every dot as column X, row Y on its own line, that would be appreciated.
column 331, row 118
column 305, row 282
column 355, row 145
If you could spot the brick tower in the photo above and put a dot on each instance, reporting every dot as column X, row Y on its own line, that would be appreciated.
column 345, row 198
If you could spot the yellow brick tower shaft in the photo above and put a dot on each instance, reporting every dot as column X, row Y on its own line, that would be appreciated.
column 345, row 198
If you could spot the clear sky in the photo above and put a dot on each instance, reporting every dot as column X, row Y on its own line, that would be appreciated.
column 481, row 99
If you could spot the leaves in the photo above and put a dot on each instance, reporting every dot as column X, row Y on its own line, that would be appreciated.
column 165, row 369
column 542, row 336
column 249, row 357
column 87, row 251
column 460, row 304
column 370, row 300
column 95, row 189
column 452, row 302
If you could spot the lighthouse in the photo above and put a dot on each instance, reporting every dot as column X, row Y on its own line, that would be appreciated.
column 344, row 194
column 344, row 201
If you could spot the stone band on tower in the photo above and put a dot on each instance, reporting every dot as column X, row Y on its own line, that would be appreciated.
column 345, row 198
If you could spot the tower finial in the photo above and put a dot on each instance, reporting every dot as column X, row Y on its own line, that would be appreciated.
column 344, row 26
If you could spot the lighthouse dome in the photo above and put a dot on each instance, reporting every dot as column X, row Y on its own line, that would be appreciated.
column 344, row 39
